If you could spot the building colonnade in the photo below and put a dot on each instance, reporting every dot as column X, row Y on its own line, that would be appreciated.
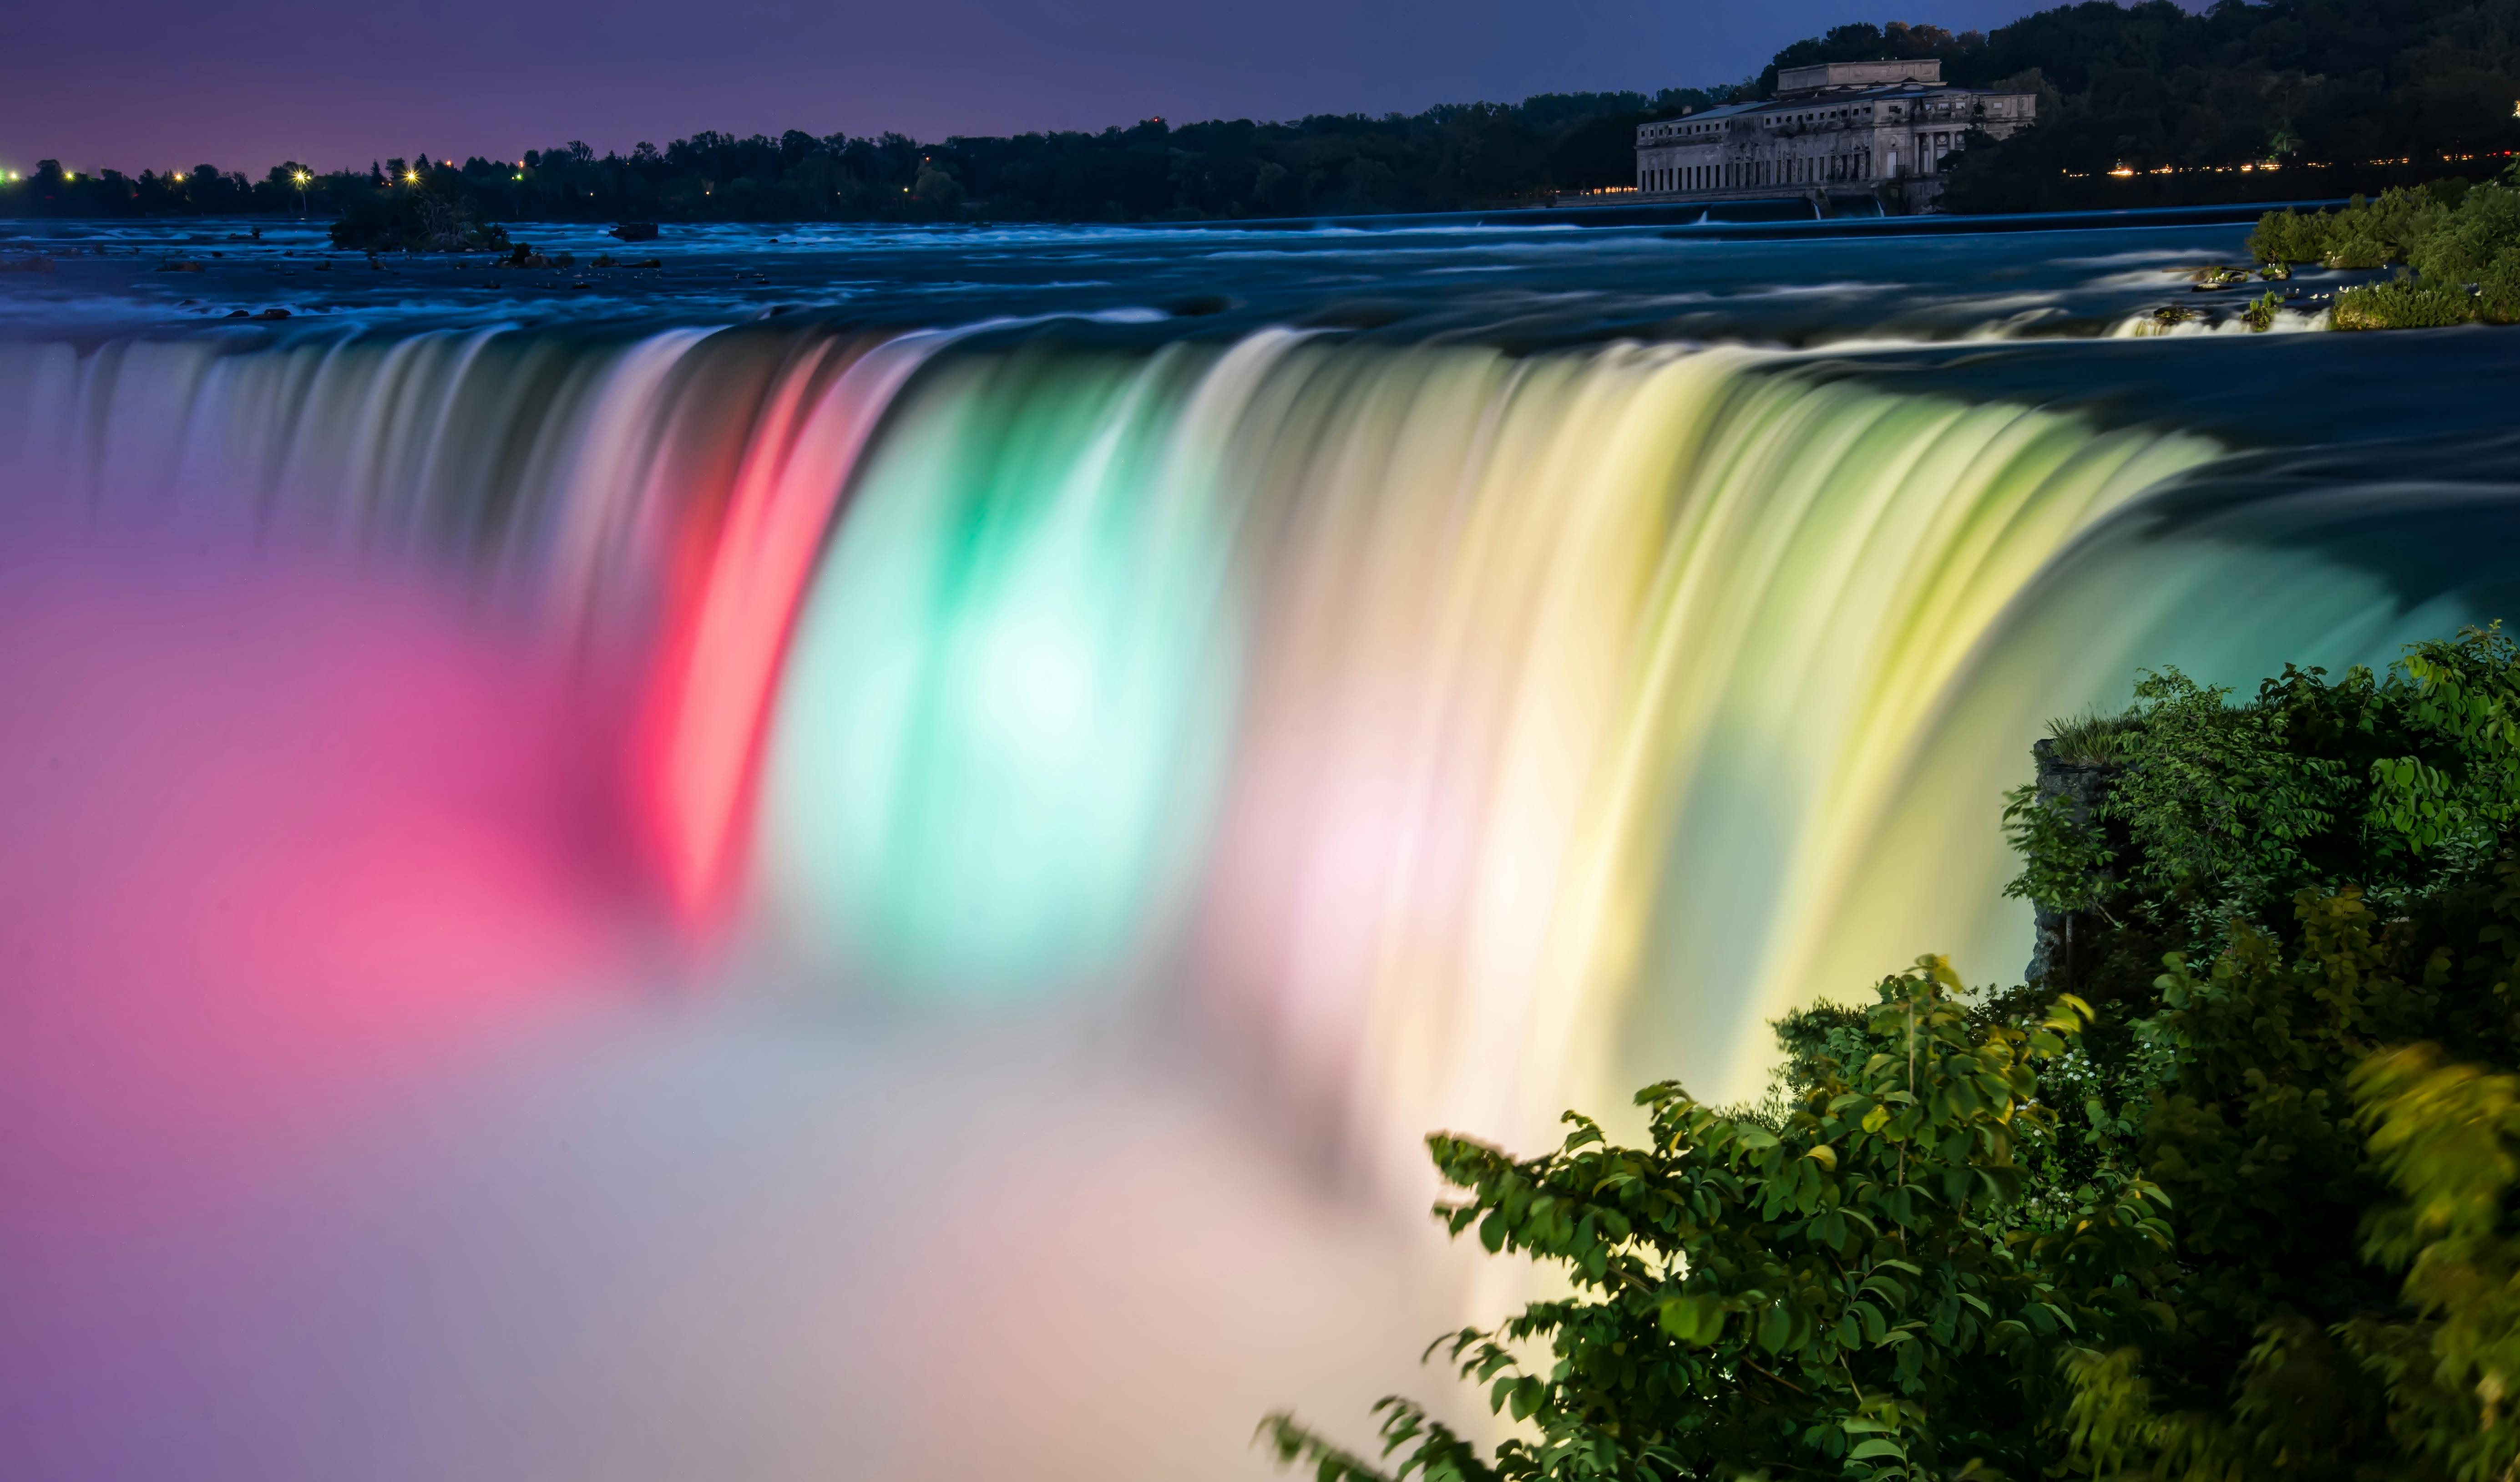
column 1749, row 174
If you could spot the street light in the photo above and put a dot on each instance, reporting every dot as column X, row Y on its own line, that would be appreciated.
column 301, row 193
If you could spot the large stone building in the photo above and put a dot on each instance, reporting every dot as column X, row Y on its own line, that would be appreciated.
column 1837, row 129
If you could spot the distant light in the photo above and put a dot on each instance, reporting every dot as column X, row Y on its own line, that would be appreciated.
column 411, row 177
column 2122, row 171
column 179, row 177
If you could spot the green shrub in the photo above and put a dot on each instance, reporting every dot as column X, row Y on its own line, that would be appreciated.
column 2464, row 242
column 2498, row 289
column 2305, row 1347
column 2330, row 871
column 2403, row 303
column 2090, row 738
column 2287, row 237
column 2356, row 249
column 2397, row 782
column 2446, row 1135
column 1837, row 1295
column 2372, row 234
column 2261, row 313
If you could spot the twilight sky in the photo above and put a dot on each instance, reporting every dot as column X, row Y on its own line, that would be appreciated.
column 134, row 84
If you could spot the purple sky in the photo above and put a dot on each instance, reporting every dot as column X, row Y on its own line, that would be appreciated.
column 136, row 84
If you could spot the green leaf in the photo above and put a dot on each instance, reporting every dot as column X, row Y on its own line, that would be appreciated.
column 1775, row 1326
column 1695, row 1319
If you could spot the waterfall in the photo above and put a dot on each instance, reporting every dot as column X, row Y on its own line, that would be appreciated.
column 1460, row 735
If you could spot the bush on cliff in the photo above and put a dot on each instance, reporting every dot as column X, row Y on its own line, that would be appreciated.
column 1840, row 1293
column 2238, row 1206
column 2325, row 872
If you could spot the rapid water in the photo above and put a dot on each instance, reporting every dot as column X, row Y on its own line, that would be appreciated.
column 574, row 850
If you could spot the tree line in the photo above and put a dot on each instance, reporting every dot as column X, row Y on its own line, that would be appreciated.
column 1446, row 157
column 2144, row 104
column 2344, row 96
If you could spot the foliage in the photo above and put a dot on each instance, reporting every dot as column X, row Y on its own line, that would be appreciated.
column 2445, row 229
column 2448, row 1135
column 2089, row 739
column 2451, row 235
column 1839, row 1295
column 1455, row 155
column 2328, row 869
column 2343, row 95
column 2395, row 782
column 2297, row 1354
column 2262, row 312
column 2403, row 303
column 2498, row 291
column 2462, row 241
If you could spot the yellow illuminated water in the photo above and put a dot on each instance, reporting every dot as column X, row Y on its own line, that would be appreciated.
column 1457, row 734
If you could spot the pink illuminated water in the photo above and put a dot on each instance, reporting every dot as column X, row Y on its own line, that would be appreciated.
column 362, row 1119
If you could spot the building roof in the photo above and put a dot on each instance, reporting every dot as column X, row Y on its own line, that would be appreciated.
column 1927, row 71
column 1888, row 92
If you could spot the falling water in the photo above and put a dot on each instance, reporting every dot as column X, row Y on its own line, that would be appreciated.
column 1463, row 734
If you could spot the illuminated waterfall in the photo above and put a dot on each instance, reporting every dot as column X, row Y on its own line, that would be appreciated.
column 1462, row 735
